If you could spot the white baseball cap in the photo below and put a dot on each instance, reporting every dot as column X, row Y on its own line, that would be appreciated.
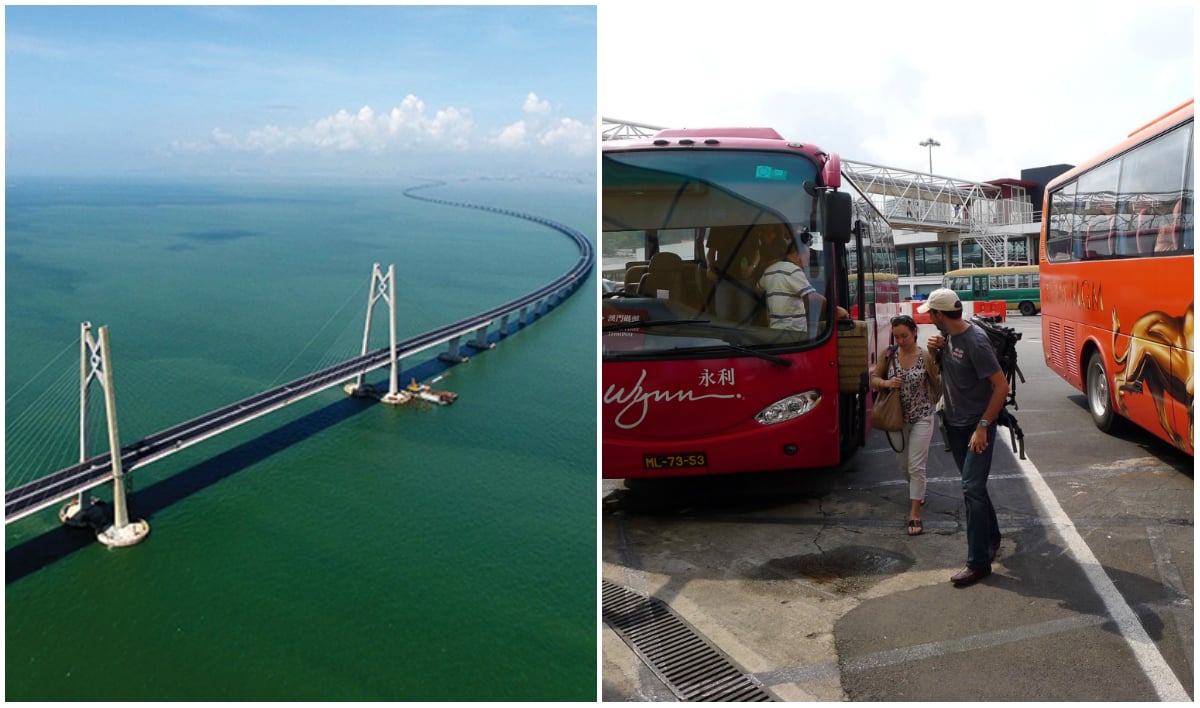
column 942, row 299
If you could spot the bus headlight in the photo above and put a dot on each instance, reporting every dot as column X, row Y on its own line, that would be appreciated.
column 789, row 408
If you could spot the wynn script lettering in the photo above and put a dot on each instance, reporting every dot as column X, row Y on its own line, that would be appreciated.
column 635, row 402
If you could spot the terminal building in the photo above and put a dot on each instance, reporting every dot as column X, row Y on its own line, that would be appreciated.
column 939, row 223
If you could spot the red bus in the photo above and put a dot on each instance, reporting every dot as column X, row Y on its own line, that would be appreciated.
column 1117, row 279
column 727, row 344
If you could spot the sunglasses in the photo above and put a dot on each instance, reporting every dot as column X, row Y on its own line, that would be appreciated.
column 903, row 320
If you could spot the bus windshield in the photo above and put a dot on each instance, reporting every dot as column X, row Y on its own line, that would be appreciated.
column 714, row 252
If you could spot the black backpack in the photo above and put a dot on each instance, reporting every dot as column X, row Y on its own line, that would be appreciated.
column 1004, row 343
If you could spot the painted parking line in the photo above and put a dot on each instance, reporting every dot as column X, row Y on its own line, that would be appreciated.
column 1160, row 675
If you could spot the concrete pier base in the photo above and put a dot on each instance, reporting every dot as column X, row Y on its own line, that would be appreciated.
column 131, row 534
column 396, row 399
column 92, row 514
column 364, row 391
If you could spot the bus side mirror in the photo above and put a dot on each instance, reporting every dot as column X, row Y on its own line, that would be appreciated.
column 839, row 210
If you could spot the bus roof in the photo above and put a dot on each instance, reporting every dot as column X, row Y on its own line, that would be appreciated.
column 745, row 137
column 1176, row 116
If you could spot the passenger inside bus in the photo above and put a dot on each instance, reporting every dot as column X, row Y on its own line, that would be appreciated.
column 792, row 301
column 1167, row 240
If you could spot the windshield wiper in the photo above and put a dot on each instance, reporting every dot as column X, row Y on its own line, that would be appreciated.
column 777, row 360
column 650, row 323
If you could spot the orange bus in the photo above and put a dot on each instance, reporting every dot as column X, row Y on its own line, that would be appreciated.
column 1117, row 279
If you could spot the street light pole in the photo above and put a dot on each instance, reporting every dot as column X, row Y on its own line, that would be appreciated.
column 931, row 144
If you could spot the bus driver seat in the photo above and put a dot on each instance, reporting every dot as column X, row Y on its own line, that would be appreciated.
column 665, row 274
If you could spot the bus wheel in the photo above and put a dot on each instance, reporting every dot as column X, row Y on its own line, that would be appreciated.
column 1098, row 398
column 1027, row 309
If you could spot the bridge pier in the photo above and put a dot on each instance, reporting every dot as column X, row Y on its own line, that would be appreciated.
column 504, row 325
column 452, row 355
column 381, row 287
column 97, row 364
column 480, row 342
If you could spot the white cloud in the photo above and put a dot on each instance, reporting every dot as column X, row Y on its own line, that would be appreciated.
column 571, row 136
column 535, row 105
column 513, row 136
column 410, row 126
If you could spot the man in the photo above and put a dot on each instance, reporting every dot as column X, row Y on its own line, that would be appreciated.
column 790, row 296
column 974, row 390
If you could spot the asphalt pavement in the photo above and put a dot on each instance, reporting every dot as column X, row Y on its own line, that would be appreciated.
column 809, row 585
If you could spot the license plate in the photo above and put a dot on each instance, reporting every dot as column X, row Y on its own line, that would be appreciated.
column 675, row 462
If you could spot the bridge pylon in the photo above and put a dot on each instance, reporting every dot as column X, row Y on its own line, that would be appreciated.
column 95, row 365
column 382, row 287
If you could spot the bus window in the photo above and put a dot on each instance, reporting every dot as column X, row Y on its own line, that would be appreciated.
column 1153, row 178
column 1059, row 243
column 1096, row 200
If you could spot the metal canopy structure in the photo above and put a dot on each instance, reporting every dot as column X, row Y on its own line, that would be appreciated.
column 615, row 129
column 985, row 213
column 959, row 209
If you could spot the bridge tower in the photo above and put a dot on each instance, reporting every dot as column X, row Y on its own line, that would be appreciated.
column 95, row 365
column 381, row 287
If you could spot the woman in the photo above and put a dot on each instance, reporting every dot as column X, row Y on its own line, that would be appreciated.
column 915, row 373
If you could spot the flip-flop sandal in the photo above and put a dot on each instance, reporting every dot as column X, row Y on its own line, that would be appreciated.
column 915, row 524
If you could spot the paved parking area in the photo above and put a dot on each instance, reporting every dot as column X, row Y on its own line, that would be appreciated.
column 810, row 585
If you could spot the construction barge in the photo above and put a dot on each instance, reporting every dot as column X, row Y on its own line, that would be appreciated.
column 413, row 392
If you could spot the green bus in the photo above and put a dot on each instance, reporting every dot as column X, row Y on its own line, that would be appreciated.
column 1018, row 286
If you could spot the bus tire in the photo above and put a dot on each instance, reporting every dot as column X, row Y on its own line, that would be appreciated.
column 1099, row 397
column 1027, row 308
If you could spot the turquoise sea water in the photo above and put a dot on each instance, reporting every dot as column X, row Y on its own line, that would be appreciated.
column 337, row 549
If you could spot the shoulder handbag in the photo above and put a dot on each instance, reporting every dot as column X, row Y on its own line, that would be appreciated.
column 887, row 414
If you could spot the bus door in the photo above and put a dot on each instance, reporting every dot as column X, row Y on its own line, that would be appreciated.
column 1179, row 395
column 979, row 287
column 1181, row 371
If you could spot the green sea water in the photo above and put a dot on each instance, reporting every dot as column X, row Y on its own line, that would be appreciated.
column 336, row 549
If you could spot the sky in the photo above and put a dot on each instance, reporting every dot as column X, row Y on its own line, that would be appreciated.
column 299, row 90
column 1002, row 86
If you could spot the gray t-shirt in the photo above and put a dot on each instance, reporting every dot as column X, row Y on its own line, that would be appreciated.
column 967, row 361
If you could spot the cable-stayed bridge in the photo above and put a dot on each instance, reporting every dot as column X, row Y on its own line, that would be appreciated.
column 75, row 480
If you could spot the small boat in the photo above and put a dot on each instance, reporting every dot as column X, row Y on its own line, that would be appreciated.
column 427, row 393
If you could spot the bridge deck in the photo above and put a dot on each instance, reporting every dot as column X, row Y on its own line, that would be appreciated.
column 65, row 483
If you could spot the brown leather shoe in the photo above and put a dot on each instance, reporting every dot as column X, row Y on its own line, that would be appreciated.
column 968, row 576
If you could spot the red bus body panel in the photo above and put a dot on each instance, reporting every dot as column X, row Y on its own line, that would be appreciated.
column 707, row 407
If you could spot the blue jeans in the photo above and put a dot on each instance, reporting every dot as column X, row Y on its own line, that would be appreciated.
column 983, row 531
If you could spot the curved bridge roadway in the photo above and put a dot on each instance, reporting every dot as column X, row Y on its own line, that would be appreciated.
column 65, row 483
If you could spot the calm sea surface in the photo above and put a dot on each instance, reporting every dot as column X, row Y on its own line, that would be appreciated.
column 336, row 549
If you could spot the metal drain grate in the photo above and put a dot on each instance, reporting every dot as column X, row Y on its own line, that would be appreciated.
column 687, row 663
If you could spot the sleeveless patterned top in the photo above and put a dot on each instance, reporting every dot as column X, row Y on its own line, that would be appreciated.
column 914, row 389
